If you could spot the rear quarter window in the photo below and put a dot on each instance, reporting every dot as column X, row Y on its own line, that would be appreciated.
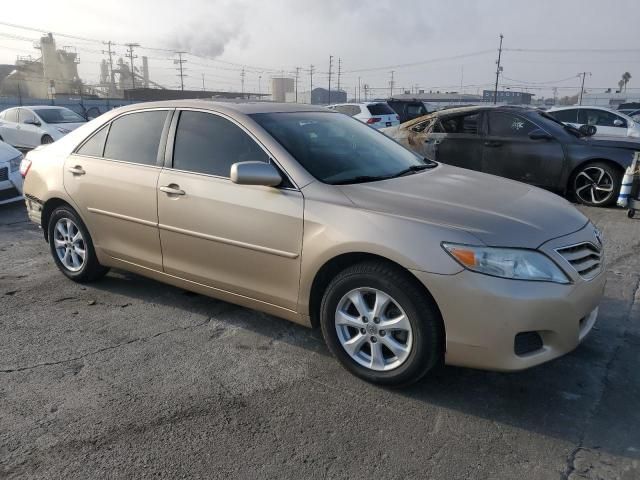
column 380, row 109
column 135, row 137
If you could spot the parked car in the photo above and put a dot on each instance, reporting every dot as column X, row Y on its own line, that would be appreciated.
column 309, row 215
column 523, row 144
column 10, row 179
column 28, row 127
column 374, row 114
column 407, row 109
column 609, row 122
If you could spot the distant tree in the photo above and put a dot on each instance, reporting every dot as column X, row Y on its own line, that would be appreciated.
column 626, row 76
column 620, row 85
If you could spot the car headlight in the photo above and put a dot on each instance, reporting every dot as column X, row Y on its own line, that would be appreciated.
column 513, row 263
column 62, row 130
column 14, row 163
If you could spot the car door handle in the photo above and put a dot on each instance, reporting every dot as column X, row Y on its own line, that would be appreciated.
column 490, row 143
column 77, row 170
column 172, row 189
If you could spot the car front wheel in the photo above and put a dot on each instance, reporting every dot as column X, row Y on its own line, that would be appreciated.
column 46, row 139
column 380, row 325
column 72, row 248
column 597, row 184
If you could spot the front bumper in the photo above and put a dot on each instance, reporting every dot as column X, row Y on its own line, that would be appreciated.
column 11, row 188
column 483, row 315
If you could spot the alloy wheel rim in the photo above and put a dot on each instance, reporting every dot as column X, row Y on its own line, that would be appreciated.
column 593, row 185
column 373, row 329
column 69, row 244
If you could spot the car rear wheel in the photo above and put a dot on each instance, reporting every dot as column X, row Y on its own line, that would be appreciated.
column 72, row 248
column 597, row 184
column 380, row 325
column 46, row 139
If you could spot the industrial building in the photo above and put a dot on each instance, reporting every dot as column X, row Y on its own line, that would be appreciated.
column 509, row 97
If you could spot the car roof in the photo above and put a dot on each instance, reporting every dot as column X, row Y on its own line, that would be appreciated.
column 357, row 103
column 467, row 109
column 246, row 108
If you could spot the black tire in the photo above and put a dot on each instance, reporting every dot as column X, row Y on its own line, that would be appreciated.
column 46, row 139
column 613, row 178
column 426, row 324
column 631, row 213
column 91, row 269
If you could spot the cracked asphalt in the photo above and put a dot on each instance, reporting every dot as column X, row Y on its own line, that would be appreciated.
column 129, row 378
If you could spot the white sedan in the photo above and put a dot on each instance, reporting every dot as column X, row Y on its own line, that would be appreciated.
column 28, row 127
column 10, row 178
column 607, row 121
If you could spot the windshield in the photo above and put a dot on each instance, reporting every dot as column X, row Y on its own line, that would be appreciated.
column 337, row 149
column 58, row 115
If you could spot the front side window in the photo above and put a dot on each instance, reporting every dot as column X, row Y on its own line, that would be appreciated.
column 336, row 149
column 58, row 115
column 509, row 125
column 209, row 144
column 599, row 118
column 26, row 116
column 135, row 137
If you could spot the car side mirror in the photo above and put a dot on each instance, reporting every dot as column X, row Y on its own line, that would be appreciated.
column 32, row 121
column 588, row 130
column 539, row 134
column 618, row 123
column 255, row 173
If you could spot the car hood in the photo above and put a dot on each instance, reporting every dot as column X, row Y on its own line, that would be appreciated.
column 499, row 212
column 613, row 142
column 67, row 126
column 7, row 152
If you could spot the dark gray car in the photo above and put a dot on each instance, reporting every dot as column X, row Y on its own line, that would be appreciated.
column 523, row 144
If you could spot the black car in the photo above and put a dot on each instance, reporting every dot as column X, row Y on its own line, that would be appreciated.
column 407, row 109
column 523, row 144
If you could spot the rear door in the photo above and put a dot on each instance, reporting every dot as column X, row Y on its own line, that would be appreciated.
column 509, row 152
column 8, row 125
column 457, row 140
column 242, row 239
column 113, row 177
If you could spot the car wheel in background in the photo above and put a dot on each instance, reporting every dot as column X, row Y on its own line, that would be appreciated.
column 46, row 139
column 380, row 325
column 597, row 184
column 72, row 248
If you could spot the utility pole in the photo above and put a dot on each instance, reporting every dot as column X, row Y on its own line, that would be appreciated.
column 131, row 56
column 498, row 70
column 330, row 65
column 339, row 71
column 311, row 68
column 242, row 75
column 391, row 84
column 297, row 75
column 203, row 89
column 112, row 78
column 180, row 61
column 583, row 74
column 259, row 81
column 359, row 89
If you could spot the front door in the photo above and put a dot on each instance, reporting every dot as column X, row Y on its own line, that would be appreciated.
column 456, row 140
column 242, row 239
column 29, row 134
column 509, row 152
column 113, row 179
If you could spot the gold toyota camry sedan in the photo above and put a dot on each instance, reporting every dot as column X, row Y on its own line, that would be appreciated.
column 315, row 217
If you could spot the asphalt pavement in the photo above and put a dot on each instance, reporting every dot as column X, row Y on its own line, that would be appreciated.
column 130, row 378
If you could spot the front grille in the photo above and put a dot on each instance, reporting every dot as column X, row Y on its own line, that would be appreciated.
column 585, row 258
column 527, row 342
column 4, row 174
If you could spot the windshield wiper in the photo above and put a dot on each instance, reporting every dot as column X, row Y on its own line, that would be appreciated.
column 361, row 179
column 414, row 169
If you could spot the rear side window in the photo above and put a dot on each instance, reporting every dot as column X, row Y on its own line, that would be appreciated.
column 136, row 137
column 94, row 147
column 416, row 109
column 568, row 116
column 11, row 115
column 209, row 144
column 380, row 109
column 508, row 125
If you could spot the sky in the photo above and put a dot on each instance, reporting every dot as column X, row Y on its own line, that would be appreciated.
column 430, row 45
